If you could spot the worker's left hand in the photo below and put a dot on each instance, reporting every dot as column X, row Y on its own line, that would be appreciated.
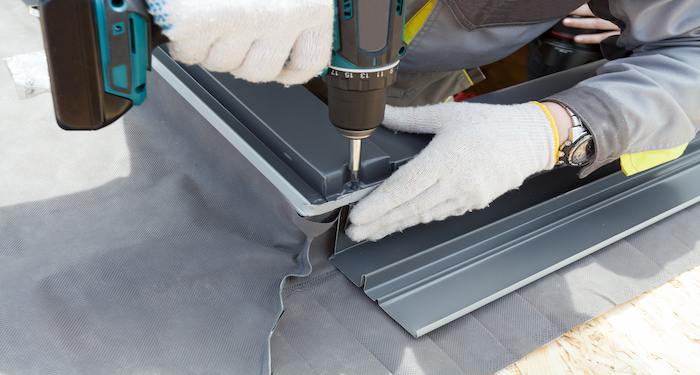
column 288, row 41
column 479, row 152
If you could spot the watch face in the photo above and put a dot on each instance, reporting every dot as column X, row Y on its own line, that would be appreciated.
column 582, row 151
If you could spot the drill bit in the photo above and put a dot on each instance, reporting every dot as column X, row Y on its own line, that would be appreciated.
column 354, row 163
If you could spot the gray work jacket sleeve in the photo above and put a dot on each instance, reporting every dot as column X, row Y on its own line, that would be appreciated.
column 650, row 99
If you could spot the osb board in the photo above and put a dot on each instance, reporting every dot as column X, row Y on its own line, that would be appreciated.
column 655, row 333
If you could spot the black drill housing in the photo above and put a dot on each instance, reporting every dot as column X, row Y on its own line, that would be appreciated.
column 71, row 37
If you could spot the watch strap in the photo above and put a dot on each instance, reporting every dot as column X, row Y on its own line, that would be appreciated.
column 577, row 132
column 577, row 121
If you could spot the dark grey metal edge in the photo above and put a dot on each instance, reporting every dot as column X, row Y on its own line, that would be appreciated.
column 541, row 87
column 227, row 124
column 294, row 125
column 306, row 200
column 431, row 288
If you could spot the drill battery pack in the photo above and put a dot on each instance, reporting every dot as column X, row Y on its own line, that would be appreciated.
column 98, row 53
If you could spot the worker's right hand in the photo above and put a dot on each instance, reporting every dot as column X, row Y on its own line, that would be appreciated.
column 479, row 152
column 288, row 41
column 590, row 22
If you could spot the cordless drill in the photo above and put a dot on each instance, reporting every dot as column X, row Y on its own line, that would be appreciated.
column 367, row 48
column 99, row 51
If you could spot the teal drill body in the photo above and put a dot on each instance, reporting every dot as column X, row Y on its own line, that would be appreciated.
column 368, row 46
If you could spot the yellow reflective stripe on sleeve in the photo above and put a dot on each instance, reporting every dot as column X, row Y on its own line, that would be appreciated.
column 468, row 77
column 414, row 25
column 633, row 163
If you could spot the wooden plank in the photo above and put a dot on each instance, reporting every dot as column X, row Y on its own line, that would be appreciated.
column 655, row 333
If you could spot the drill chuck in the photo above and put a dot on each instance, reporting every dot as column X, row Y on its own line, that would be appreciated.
column 356, row 99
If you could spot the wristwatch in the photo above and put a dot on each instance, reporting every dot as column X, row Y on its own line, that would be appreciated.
column 579, row 149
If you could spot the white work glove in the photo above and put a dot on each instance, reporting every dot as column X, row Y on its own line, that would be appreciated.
column 288, row 41
column 479, row 152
